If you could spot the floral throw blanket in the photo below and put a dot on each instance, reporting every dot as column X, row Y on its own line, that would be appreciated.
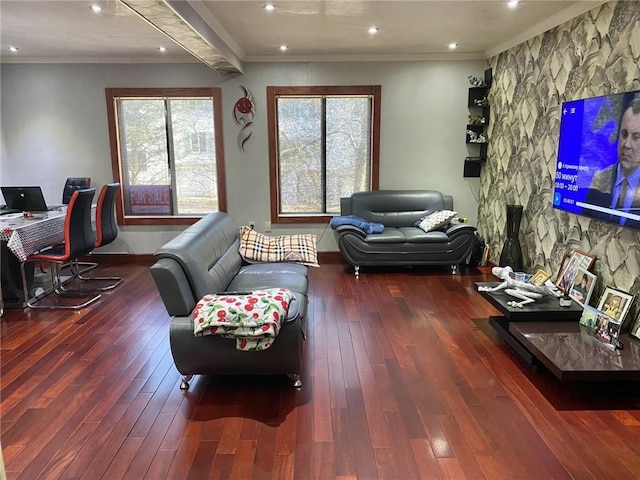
column 252, row 318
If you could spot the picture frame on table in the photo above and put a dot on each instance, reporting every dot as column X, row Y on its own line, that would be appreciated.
column 578, row 259
column 539, row 278
column 582, row 287
column 606, row 329
column 589, row 317
column 615, row 303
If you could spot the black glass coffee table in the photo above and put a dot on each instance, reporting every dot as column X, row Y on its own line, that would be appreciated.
column 547, row 307
column 544, row 309
column 570, row 353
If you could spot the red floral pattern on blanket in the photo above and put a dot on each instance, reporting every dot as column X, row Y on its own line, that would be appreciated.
column 253, row 319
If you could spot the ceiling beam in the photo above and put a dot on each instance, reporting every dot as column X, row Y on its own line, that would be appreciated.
column 182, row 24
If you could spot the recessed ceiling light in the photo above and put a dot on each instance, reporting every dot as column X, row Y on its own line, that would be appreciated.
column 512, row 4
column 453, row 46
column 269, row 7
column 162, row 49
column 284, row 48
column 12, row 49
column 95, row 8
column 373, row 30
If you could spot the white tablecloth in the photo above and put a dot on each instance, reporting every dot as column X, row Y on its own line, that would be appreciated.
column 25, row 237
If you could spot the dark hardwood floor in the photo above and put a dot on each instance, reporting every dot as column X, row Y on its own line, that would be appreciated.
column 403, row 379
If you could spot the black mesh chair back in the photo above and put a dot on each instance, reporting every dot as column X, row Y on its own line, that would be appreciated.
column 106, row 225
column 72, row 184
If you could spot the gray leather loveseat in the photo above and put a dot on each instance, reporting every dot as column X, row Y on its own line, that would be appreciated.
column 204, row 259
column 401, row 243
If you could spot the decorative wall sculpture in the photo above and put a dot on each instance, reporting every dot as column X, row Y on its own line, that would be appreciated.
column 243, row 113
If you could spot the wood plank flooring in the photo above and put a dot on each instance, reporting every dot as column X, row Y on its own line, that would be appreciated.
column 403, row 379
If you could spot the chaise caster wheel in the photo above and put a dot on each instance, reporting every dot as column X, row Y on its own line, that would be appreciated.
column 297, row 382
column 184, row 384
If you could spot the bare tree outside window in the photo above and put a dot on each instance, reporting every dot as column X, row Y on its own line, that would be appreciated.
column 323, row 146
column 169, row 154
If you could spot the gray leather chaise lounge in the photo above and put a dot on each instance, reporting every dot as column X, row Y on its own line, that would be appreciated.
column 401, row 243
column 204, row 259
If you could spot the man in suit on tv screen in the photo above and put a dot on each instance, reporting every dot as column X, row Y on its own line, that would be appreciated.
column 616, row 186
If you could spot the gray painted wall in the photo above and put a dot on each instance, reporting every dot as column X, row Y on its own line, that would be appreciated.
column 54, row 125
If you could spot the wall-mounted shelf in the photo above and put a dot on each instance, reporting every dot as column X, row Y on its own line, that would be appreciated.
column 476, row 131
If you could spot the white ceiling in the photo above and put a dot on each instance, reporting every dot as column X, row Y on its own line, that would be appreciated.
column 67, row 31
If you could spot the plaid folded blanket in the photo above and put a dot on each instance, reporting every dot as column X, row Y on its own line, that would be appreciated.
column 253, row 319
column 256, row 247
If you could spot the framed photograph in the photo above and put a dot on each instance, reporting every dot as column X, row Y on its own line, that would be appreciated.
column 582, row 287
column 615, row 303
column 606, row 329
column 584, row 259
column 539, row 278
column 578, row 259
column 589, row 317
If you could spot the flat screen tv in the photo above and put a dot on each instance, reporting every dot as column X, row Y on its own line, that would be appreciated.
column 598, row 167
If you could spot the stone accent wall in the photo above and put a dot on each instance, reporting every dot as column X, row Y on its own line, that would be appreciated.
column 597, row 53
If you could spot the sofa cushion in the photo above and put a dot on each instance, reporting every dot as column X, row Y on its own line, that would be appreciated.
column 435, row 220
column 246, row 281
column 397, row 208
column 279, row 268
column 256, row 247
column 390, row 235
column 416, row 235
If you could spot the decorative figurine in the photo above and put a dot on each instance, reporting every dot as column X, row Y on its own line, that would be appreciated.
column 527, row 292
column 481, row 102
column 476, row 120
column 476, row 81
column 475, row 137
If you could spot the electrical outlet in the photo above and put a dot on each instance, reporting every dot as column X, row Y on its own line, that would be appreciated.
column 252, row 224
column 267, row 226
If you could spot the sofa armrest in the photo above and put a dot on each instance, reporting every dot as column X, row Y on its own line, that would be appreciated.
column 345, row 229
column 457, row 228
column 173, row 287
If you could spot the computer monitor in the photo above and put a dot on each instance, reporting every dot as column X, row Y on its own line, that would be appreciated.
column 24, row 199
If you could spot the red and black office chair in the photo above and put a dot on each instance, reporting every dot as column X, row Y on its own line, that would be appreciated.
column 71, row 185
column 106, row 232
column 79, row 239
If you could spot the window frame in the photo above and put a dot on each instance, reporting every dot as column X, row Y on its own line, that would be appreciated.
column 112, row 94
column 356, row 90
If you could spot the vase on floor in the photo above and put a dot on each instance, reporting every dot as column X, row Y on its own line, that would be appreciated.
column 512, row 251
